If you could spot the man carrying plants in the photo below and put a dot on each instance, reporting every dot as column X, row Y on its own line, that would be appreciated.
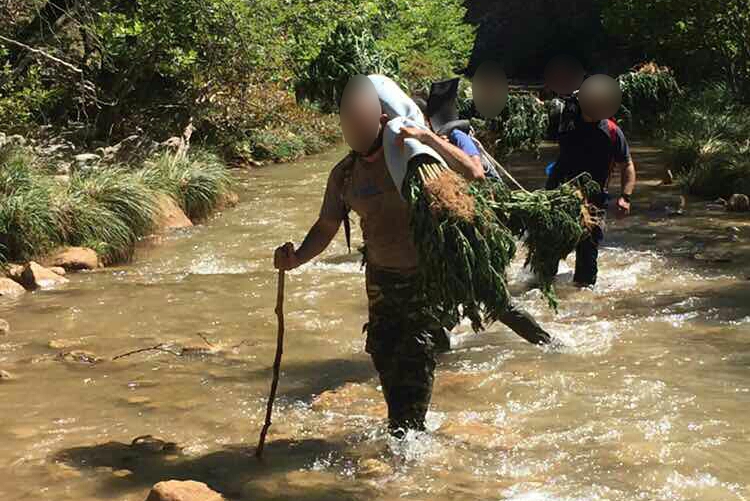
column 595, row 145
column 402, row 329
column 441, row 113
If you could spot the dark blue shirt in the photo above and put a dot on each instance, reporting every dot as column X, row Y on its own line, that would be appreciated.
column 590, row 147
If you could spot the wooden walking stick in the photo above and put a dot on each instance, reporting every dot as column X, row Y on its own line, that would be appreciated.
column 276, row 363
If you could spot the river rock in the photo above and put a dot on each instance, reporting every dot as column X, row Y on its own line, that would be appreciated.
column 10, row 288
column 4, row 327
column 738, row 203
column 228, row 200
column 36, row 276
column 374, row 468
column 16, row 140
column 58, row 270
column 74, row 258
column 5, row 376
column 189, row 490
column 170, row 215
column 14, row 271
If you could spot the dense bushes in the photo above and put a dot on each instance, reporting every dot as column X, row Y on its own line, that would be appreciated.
column 648, row 94
column 708, row 143
column 107, row 210
column 230, row 65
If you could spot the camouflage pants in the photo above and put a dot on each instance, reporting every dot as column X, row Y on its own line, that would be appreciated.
column 401, row 335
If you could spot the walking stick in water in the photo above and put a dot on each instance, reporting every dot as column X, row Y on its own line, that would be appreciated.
column 276, row 363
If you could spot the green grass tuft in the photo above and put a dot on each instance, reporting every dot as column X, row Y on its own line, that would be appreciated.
column 197, row 182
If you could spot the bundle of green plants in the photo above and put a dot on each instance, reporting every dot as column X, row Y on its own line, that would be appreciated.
column 466, row 238
column 648, row 93
column 549, row 222
column 520, row 127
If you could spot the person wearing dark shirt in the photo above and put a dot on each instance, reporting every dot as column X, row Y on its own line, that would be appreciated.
column 596, row 147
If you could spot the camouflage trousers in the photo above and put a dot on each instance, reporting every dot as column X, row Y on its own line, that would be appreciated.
column 401, row 334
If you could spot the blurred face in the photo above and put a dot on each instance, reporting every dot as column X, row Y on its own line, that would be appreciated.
column 600, row 97
column 360, row 114
column 563, row 74
column 489, row 89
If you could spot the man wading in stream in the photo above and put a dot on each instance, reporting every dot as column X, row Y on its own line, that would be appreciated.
column 594, row 144
column 402, row 333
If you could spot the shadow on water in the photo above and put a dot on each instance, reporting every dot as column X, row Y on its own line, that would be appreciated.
column 304, row 380
column 232, row 471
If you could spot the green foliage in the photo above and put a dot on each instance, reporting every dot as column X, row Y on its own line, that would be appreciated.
column 415, row 42
column 464, row 257
column 521, row 126
column 350, row 50
column 708, row 143
column 648, row 94
column 702, row 39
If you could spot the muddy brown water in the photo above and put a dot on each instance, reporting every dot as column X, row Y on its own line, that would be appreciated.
column 649, row 401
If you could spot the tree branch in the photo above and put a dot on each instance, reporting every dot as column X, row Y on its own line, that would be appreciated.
column 43, row 53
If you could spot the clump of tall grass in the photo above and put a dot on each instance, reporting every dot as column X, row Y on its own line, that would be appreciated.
column 27, row 225
column 197, row 182
column 708, row 143
column 107, row 210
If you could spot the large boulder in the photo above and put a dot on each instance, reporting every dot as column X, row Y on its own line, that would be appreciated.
column 4, row 327
column 10, row 288
column 73, row 259
column 36, row 276
column 175, row 490
column 170, row 215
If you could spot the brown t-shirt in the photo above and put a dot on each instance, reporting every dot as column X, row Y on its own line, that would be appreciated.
column 384, row 215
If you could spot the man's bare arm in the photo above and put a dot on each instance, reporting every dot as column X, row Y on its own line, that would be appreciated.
column 317, row 240
column 469, row 167
column 627, row 176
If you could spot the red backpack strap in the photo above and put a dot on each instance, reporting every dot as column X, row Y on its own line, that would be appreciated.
column 612, row 129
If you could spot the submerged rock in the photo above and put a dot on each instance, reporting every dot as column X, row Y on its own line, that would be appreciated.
column 10, row 288
column 4, row 327
column 374, row 468
column 189, row 490
column 78, row 356
column 171, row 215
column 5, row 376
column 738, row 203
column 74, row 259
column 228, row 200
column 35, row 276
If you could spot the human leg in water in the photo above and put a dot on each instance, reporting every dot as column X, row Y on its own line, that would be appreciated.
column 401, row 342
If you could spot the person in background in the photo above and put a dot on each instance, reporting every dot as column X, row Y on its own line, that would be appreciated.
column 441, row 114
column 596, row 147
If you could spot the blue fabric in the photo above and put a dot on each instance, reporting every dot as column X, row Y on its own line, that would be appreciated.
column 548, row 169
column 462, row 140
